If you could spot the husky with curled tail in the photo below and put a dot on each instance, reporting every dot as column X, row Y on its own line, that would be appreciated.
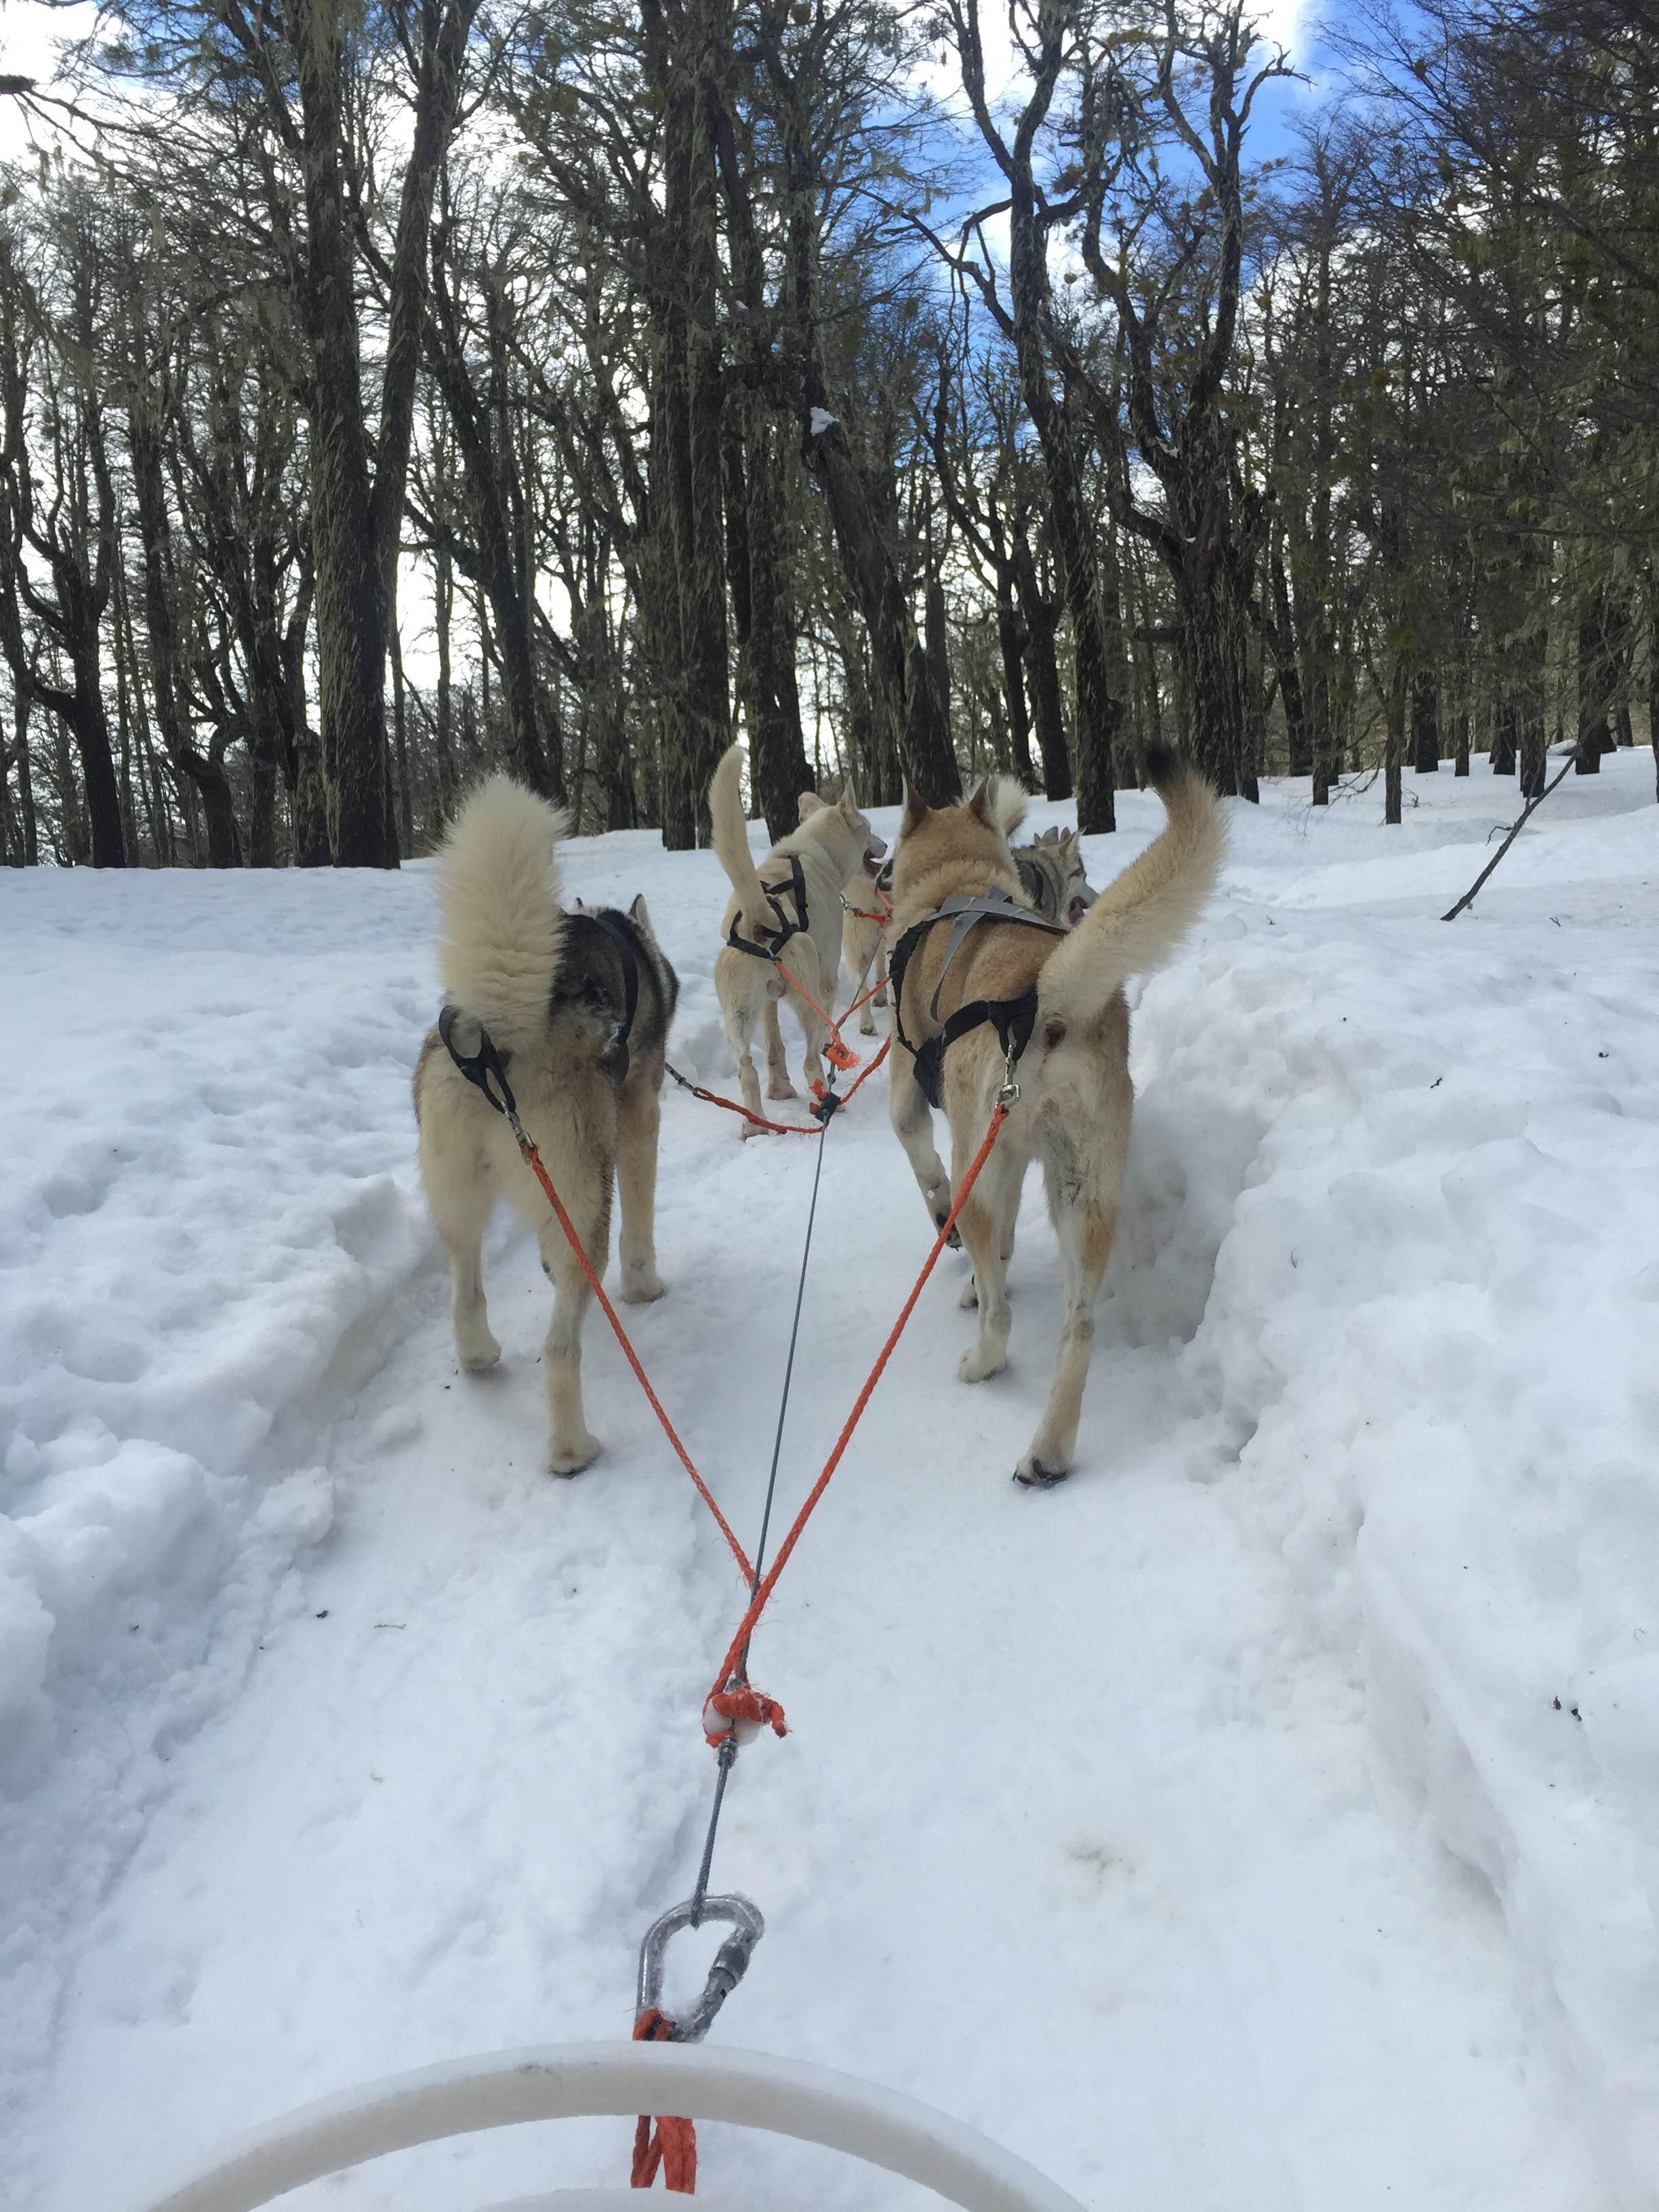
column 578, row 1005
column 1063, row 990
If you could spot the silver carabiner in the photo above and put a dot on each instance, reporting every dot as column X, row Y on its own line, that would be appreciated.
column 731, row 1961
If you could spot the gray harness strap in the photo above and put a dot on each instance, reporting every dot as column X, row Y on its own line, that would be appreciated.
column 987, row 906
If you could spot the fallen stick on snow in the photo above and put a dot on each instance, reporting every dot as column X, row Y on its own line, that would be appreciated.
column 1515, row 828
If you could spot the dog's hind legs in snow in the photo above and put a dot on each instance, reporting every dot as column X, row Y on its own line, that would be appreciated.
column 569, row 1446
column 639, row 1117
column 778, row 1084
column 982, row 1222
column 461, row 1207
column 913, row 1124
column 1086, row 1224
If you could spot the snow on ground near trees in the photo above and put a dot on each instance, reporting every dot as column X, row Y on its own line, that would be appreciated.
column 1266, row 1818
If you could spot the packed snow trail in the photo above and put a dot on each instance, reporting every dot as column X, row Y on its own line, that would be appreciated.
column 1114, row 1819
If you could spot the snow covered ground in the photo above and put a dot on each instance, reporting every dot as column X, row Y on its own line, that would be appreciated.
column 1267, row 1818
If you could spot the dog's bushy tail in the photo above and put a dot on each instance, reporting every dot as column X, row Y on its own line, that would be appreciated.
column 502, row 930
column 731, row 834
column 1138, row 921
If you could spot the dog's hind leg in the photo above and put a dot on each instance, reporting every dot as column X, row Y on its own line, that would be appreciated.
column 860, row 940
column 1086, row 1222
column 636, row 1181
column 982, row 1222
column 778, row 1084
column 569, row 1446
column 738, row 1011
column 822, row 987
column 913, row 1124
column 461, row 1206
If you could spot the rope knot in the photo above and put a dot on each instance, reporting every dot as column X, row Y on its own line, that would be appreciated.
column 742, row 1710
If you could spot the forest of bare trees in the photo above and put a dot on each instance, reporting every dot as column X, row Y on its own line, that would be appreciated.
column 391, row 390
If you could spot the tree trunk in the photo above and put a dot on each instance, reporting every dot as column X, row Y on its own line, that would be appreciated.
column 1505, row 732
column 1214, row 643
column 1010, row 643
column 1425, row 724
column 1042, row 620
column 1531, row 653
column 937, row 631
column 1395, row 740
column 1298, row 735
column 1598, row 680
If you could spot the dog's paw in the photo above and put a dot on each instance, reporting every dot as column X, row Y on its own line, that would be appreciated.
column 969, row 1297
column 781, row 1087
column 977, row 1366
column 1033, row 1473
column 570, row 1455
column 746, row 1129
column 645, row 1288
column 478, row 1353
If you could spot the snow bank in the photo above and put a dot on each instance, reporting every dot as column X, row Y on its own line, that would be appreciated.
column 1433, row 1336
column 208, row 1198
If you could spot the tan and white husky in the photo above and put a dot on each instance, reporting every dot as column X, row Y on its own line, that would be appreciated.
column 578, row 1005
column 834, row 842
column 1075, row 1096
column 1050, row 869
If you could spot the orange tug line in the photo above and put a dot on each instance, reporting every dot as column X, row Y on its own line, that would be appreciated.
column 669, row 2144
column 731, row 1699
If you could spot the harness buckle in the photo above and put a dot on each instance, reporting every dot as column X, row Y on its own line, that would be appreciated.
column 480, row 1068
column 1009, row 1094
column 731, row 1961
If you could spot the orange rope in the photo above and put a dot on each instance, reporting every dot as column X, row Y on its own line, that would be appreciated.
column 731, row 1699
column 533, row 1160
column 861, row 914
column 837, row 1054
column 672, row 2144
column 786, row 1128
column 729, row 1684
column 778, row 1128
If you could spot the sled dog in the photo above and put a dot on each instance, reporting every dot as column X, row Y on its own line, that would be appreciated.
column 1050, row 871
column 1063, row 990
column 790, row 905
column 863, row 945
column 578, row 1005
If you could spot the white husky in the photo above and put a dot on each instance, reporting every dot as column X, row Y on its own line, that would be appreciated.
column 832, row 843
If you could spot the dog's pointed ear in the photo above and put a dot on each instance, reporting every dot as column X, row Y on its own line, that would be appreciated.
column 916, row 811
column 981, row 804
column 1066, row 839
column 641, row 913
column 849, row 802
column 1047, row 837
column 810, row 803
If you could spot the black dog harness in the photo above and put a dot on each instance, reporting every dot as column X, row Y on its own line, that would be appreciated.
column 488, row 1066
column 1013, row 1019
column 795, row 889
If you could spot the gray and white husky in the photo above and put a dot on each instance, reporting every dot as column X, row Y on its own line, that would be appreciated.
column 578, row 1005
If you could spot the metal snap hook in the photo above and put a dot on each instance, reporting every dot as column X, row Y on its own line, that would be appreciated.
column 731, row 1961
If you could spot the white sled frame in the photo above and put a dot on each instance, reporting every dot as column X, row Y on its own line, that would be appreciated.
column 582, row 2079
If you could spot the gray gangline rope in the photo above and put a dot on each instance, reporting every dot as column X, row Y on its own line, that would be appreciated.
column 727, row 1754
